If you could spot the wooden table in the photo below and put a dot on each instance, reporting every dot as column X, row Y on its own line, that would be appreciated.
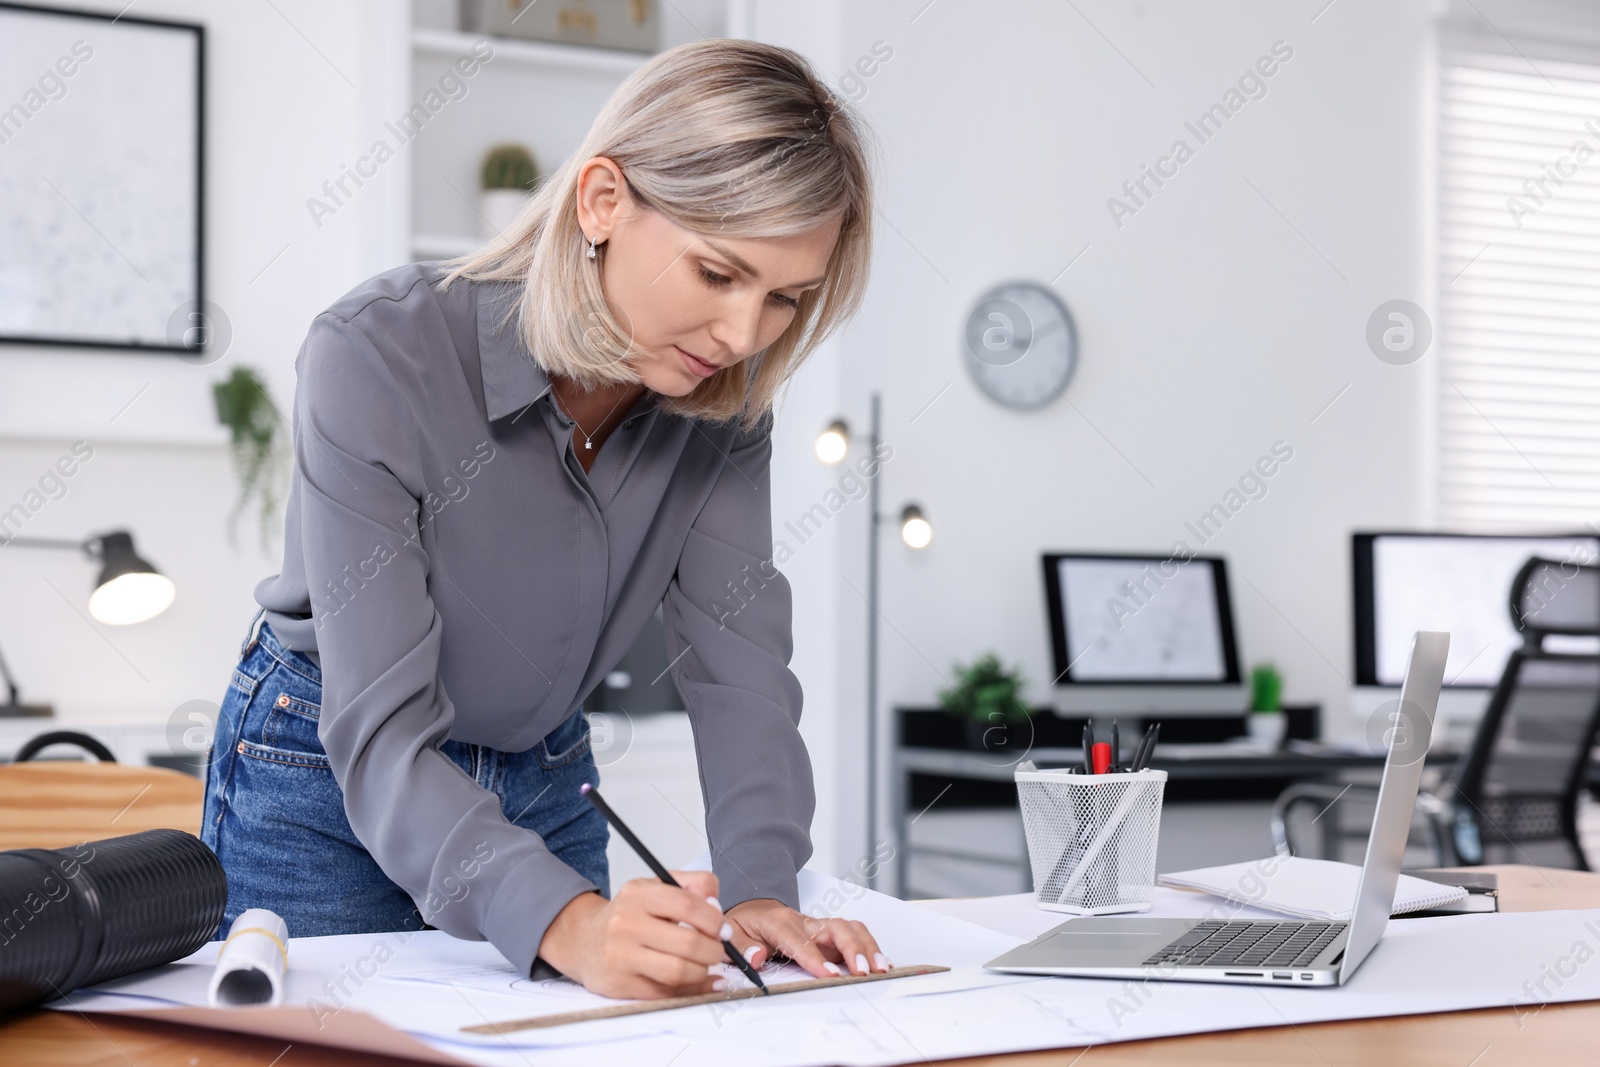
column 1555, row 1035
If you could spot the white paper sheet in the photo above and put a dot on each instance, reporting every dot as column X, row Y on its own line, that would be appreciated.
column 431, row 985
column 352, row 973
column 1422, row 965
column 1307, row 888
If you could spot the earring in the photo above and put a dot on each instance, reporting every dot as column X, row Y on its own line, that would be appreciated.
column 591, row 248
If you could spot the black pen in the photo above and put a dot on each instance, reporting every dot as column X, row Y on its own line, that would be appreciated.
column 1147, row 747
column 661, row 872
column 1116, row 748
column 1139, row 750
column 1088, row 747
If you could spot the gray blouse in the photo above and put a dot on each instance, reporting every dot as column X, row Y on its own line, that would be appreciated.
column 458, row 576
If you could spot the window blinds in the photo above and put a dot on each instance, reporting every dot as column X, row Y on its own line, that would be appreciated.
column 1519, row 284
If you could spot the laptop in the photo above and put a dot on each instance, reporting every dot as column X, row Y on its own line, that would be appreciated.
column 1271, row 951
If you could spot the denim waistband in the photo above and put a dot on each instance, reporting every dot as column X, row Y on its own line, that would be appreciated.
column 250, row 634
column 263, row 636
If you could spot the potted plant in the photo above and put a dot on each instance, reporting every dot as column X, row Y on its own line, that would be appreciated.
column 506, row 181
column 259, row 452
column 1267, row 722
column 987, row 698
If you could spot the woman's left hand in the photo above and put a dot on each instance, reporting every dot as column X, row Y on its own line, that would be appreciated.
column 824, row 947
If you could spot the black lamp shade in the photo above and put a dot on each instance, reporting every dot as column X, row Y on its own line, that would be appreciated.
column 129, row 589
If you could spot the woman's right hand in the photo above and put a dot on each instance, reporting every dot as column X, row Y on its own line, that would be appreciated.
column 650, row 940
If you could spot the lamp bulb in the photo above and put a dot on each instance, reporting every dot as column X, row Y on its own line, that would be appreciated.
column 833, row 443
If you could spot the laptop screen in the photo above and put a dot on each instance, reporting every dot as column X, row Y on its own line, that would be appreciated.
column 1408, row 733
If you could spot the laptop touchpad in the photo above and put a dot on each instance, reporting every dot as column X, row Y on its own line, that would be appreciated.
column 1096, row 941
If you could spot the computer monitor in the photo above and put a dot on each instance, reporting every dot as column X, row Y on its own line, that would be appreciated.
column 1460, row 583
column 1135, row 634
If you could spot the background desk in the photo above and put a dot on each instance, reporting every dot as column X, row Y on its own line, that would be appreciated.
column 1556, row 1035
column 922, row 777
column 936, row 767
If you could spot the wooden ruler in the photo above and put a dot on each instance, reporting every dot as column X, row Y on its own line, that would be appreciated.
column 541, row 1022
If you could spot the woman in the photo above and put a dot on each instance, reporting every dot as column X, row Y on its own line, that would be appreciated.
column 502, row 470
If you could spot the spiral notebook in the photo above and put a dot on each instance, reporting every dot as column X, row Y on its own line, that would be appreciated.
column 1306, row 888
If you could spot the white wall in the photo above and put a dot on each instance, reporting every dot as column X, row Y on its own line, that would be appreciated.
column 1213, row 323
column 293, row 90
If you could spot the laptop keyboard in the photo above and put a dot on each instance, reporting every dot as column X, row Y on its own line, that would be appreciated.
column 1268, row 943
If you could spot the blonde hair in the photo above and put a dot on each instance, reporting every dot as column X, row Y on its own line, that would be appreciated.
column 725, row 137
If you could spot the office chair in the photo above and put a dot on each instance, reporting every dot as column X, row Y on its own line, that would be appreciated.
column 1521, row 780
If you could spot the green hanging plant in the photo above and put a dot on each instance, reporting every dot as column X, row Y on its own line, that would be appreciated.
column 509, row 166
column 259, row 454
column 986, row 692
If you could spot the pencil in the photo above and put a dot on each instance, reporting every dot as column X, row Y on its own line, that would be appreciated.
column 661, row 872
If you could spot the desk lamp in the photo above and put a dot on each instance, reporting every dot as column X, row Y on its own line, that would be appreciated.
column 129, row 590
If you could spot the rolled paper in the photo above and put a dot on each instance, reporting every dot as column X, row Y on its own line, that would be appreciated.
column 251, row 964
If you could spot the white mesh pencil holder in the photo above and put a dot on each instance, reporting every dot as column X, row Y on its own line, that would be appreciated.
column 1092, row 838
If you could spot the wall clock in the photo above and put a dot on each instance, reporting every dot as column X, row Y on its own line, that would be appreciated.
column 1021, row 345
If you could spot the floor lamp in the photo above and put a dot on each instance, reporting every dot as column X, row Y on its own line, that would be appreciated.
column 832, row 446
column 129, row 590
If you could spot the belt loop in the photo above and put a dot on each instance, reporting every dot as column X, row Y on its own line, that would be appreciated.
column 253, row 634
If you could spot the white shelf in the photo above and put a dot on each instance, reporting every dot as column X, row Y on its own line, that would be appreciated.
column 443, row 246
column 602, row 61
column 572, row 82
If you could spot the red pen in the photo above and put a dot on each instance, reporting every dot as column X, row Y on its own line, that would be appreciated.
column 1102, row 757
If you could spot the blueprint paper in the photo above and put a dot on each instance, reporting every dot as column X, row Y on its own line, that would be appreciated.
column 427, row 987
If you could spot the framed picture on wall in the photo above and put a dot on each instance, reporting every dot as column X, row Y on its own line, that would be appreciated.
column 101, row 188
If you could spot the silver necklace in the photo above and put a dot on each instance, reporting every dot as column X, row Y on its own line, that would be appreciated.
column 588, row 438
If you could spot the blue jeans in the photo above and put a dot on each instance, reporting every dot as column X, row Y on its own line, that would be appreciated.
column 274, row 814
